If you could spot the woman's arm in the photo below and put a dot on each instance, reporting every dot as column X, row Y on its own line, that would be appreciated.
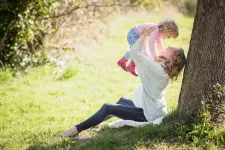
column 135, row 51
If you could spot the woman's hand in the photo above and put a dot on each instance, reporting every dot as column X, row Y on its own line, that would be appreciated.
column 155, row 59
column 148, row 29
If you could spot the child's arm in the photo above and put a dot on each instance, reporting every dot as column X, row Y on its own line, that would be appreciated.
column 159, row 44
column 152, row 39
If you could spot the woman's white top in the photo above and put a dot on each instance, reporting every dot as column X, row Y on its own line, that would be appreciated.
column 150, row 96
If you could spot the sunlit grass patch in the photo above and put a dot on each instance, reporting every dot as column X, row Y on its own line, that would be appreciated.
column 5, row 75
column 68, row 73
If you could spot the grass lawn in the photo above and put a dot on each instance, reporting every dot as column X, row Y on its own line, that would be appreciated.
column 37, row 106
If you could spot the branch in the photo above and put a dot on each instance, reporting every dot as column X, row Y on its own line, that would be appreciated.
column 88, row 6
column 79, row 23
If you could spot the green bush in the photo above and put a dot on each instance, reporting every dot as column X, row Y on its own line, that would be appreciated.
column 202, row 131
column 23, row 29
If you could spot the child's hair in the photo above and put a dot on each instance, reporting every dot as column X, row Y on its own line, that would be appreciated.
column 175, row 66
column 170, row 26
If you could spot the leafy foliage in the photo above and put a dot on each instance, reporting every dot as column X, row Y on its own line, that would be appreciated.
column 22, row 31
column 202, row 131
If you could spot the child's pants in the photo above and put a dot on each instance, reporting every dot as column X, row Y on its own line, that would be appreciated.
column 132, row 37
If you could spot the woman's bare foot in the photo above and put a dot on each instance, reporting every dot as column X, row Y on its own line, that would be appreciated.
column 71, row 132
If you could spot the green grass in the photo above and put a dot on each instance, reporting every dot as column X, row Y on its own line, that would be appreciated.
column 37, row 106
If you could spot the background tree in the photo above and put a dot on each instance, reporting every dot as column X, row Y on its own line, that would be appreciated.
column 205, row 63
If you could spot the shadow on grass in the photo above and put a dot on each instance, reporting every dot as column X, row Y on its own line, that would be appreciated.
column 167, row 135
column 110, row 139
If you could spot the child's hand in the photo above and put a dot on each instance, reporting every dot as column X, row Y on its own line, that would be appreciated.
column 148, row 29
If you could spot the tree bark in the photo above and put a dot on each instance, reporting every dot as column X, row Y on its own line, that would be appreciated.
column 206, row 57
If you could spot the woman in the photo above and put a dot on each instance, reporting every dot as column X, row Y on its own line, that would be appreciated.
column 154, row 76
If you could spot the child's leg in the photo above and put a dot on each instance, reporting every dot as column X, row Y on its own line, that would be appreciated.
column 131, row 67
column 127, row 56
column 132, row 37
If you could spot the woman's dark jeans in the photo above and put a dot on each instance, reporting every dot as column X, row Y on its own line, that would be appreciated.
column 124, row 109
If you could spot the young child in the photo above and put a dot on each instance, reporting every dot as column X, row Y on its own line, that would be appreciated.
column 164, row 30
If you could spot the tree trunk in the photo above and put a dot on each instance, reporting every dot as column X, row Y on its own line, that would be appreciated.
column 206, row 58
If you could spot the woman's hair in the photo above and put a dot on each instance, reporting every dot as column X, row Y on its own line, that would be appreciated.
column 169, row 26
column 175, row 66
